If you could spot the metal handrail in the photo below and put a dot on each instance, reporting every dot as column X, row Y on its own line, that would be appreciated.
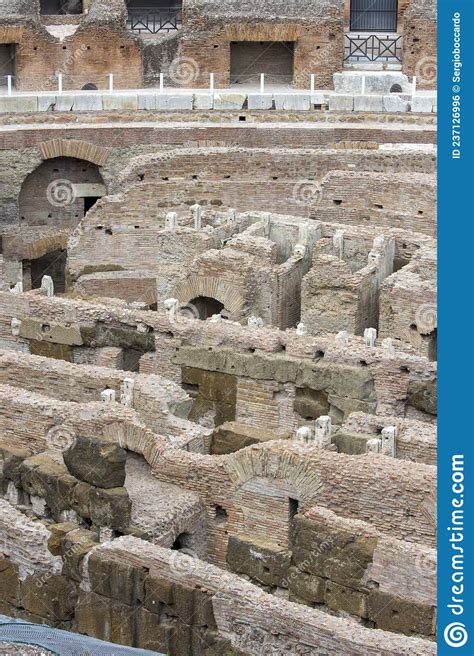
column 373, row 47
column 146, row 19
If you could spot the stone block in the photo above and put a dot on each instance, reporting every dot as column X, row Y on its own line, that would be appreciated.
column 265, row 562
column 74, row 547
column 400, row 615
column 174, row 102
column 146, row 100
column 368, row 103
column 157, row 591
column 423, row 395
column 292, row 101
column 423, row 104
column 116, row 579
column 18, row 104
column 80, row 501
column 64, row 102
column 58, row 533
column 51, row 596
column 203, row 101
column 395, row 104
column 342, row 598
column 96, row 462
column 111, row 507
column 46, row 103
column 319, row 98
column 151, row 633
column 351, row 443
column 233, row 436
column 341, row 103
column 106, row 619
column 305, row 588
column 9, row 582
column 11, row 459
column 43, row 477
column 260, row 101
column 377, row 82
column 229, row 100
column 48, row 332
column 91, row 102
column 120, row 101
column 332, row 553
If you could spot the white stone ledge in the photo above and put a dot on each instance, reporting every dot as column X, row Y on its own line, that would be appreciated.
column 220, row 100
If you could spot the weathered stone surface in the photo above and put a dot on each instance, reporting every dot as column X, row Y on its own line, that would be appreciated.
column 333, row 554
column 111, row 507
column 260, row 101
column 116, row 580
column 341, row 103
column 74, row 547
column 99, row 463
column 152, row 634
column 106, row 619
column 58, row 533
column 50, row 596
column 174, row 102
column 340, row 597
column 351, row 443
column 368, row 103
column 45, row 478
column 423, row 104
column 305, row 588
column 264, row 562
column 120, row 101
column 203, row 101
column 394, row 103
column 10, row 462
column 157, row 591
column 399, row 615
column 233, row 436
column 49, row 332
column 423, row 396
column 9, row 582
column 292, row 101
column 229, row 100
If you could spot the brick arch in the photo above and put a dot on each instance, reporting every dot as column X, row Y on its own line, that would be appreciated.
column 290, row 471
column 210, row 287
column 74, row 148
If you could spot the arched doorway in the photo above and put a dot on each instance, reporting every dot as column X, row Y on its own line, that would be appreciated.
column 205, row 307
column 59, row 192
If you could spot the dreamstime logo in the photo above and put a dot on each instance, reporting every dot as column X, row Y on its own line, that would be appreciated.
column 426, row 70
column 455, row 634
column 427, row 318
column 60, row 437
column 61, row 193
column 181, row 563
column 184, row 70
column 307, row 191
column 425, row 563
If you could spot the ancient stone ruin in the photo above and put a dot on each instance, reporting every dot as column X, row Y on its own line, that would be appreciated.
column 218, row 325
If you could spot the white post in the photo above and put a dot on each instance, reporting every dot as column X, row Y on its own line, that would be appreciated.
column 9, row 84
column 162, row 82
column 312, row 83
column 262, row 83
column 413, row 87
column 363, row 86
column 211, row 83
column 60, row 83
column 111, row 82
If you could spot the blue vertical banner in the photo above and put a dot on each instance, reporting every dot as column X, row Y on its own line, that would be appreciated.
column 455, row 324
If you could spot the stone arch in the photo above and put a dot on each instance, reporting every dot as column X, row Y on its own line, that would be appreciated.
column 74, row 148
column 210, row 287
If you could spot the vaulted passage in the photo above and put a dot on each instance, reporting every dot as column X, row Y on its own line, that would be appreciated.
column 249, row 59
column 59, row 192
column 60, row 7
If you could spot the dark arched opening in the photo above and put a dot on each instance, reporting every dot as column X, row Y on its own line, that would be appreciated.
column 60, row 7
column 59, row 192
column 205, row 307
